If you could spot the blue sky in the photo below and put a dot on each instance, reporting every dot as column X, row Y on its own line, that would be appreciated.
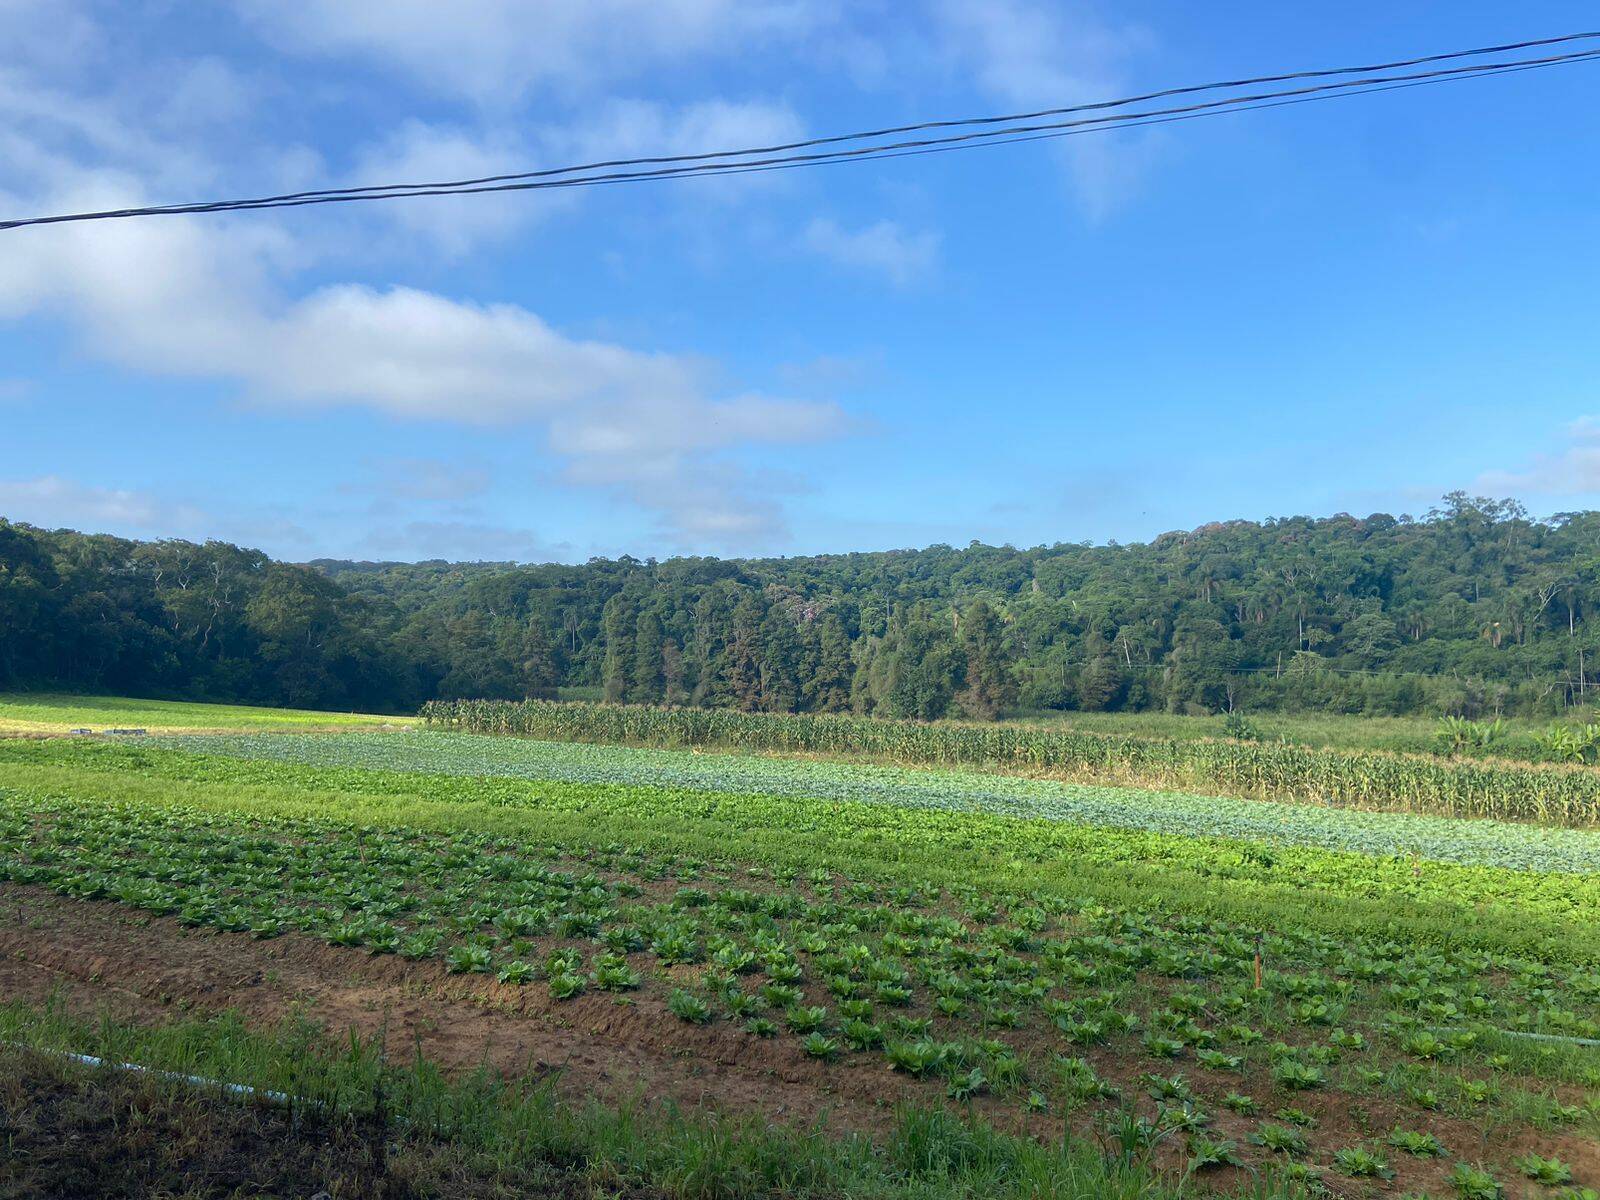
column 1350, row 306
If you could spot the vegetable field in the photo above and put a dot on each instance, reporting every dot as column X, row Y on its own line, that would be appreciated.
column 1360, row 779
column 1214, row 994
column 1484, row 842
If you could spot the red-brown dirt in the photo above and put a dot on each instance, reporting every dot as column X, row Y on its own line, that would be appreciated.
column 100, row 955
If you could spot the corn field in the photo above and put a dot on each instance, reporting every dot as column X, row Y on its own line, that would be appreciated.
column 1348, row 778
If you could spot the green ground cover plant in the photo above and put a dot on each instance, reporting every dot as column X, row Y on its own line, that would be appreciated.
column 1567, row 795
column 1334, row 891
column 58, row 712
column 1479, row 841
column 1092, row 976
column 1012, row 983
column 794, row 949
column 370, row 1126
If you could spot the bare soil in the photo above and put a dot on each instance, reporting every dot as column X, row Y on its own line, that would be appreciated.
column 101, row 956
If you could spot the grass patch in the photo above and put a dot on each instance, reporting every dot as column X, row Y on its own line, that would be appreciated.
column 377, row 1128
column 60, row 712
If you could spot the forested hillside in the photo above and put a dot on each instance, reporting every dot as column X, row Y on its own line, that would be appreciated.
column 172, row 618
column 1471, row 608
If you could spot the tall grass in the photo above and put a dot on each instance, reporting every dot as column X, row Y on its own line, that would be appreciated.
column 1351, row 778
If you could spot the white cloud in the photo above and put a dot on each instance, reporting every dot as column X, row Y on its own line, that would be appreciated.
column 180, row 296
column 201, row 92
column 1026, row 51
column 219, row 298
column 884, row 247
column 415, row 354
column 639, row 128
column 36, row 118
column 495, row 51
column 417, row 152
column 51, row 502
column 1572, row 471
column 70, row 92
column 1033, row 55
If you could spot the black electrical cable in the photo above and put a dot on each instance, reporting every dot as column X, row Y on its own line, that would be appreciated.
column 662, row 160
column 703, row 164
column 900, row 150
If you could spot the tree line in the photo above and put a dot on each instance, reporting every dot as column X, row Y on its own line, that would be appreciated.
column 1472, row 608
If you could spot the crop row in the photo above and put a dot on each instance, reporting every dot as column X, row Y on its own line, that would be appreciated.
column 1360, row 779
column 1028, row 999
column 1430, row 903
column 1518, row 846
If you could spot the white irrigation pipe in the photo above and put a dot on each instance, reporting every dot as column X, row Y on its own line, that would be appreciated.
column 1548, row 1037
column 232, row 1089
column 1538, row 1037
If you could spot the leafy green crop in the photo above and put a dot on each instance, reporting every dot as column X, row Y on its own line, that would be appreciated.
column 1440, row 839
column 1544, row 912
column 979, row 955
column 1358, row 778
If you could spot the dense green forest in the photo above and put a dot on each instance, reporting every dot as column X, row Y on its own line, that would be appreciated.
column 1472, row 608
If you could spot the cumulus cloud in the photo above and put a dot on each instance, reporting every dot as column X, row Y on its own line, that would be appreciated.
column 223, row 299
column 496, row 51
column 417, row 152
column 52, row 502
column 884, row 247
column 1573, row 470
column 180, row 297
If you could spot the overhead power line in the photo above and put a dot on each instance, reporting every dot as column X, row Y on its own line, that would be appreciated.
column 890, row 131
column 980, row 131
